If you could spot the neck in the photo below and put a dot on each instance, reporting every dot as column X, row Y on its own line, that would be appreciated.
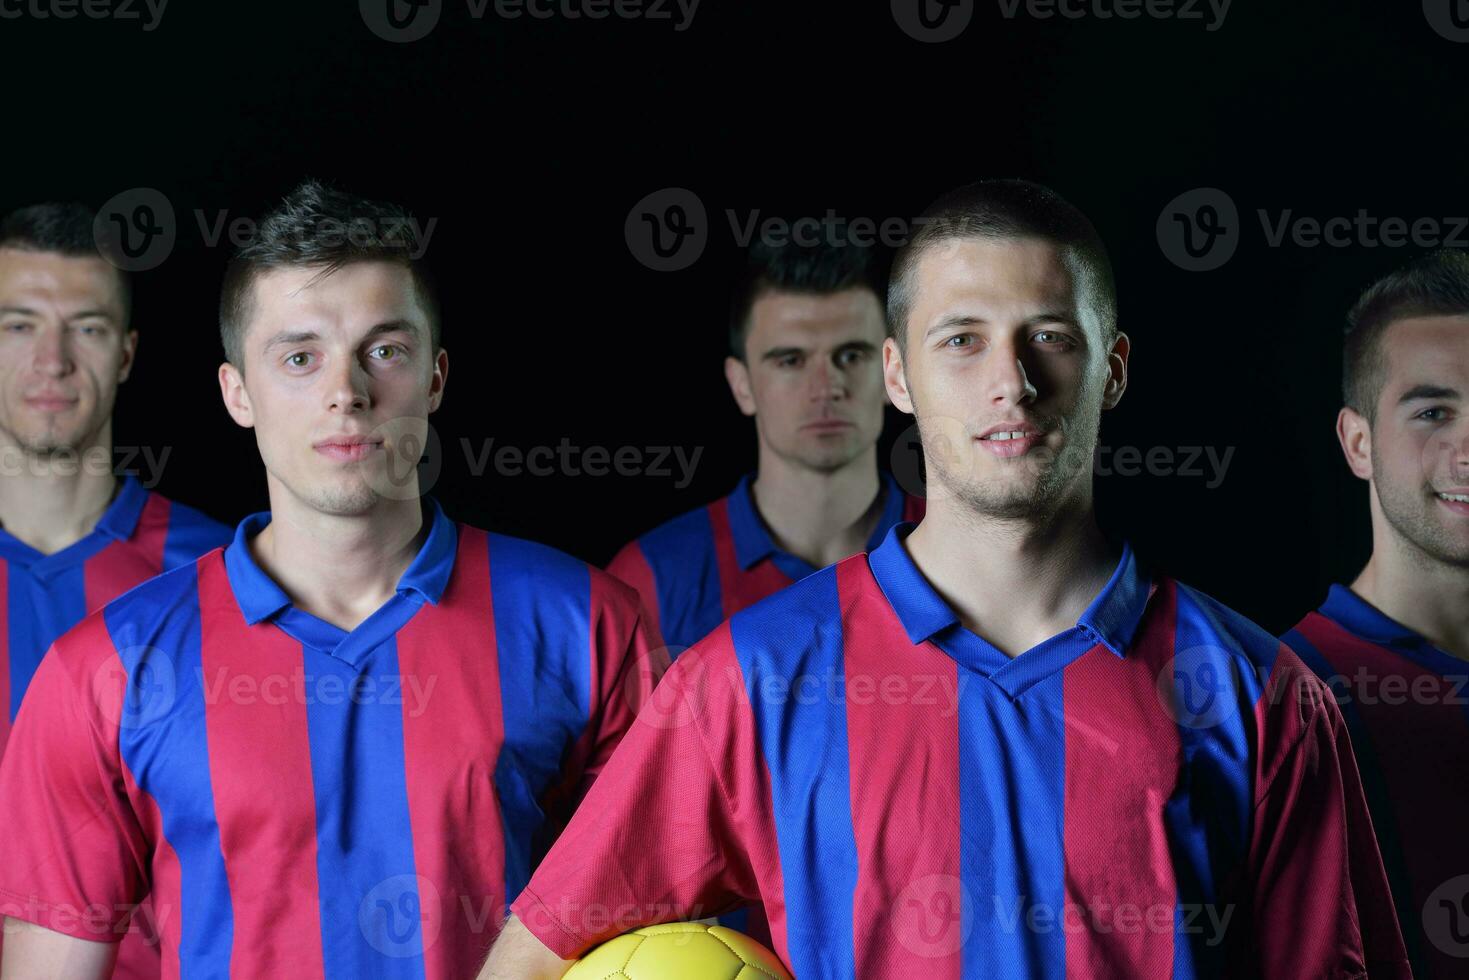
column 1016, row 582
column 338, row 568
column 52, row 504
column 819, row 516
column 1428, row 596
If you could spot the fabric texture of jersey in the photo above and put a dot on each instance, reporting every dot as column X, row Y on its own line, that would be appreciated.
column 42, row 596
column 307, row 802
column 1406, row 705
column 1163, row 790
column 702, row 567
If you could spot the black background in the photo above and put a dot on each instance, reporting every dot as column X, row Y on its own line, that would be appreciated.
column 530, row 141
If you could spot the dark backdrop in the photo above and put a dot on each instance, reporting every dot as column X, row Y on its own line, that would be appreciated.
column 530, row 141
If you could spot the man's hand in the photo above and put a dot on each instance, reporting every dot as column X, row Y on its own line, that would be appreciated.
column 519, row 955
column 32, row 952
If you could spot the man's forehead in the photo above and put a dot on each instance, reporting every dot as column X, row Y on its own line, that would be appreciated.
column 359, row 294
column 1012, row 267
column 51, row 272
column 778, row 317
column 1427, row 350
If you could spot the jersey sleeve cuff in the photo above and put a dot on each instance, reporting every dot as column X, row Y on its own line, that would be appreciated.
column 546, row 926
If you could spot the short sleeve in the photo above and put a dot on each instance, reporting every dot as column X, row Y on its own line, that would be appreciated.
column 656, row 839
column 76, row 852
column 1321, row 902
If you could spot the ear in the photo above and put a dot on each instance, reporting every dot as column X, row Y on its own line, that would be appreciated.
column 738, row 376
column 236, row 398
column 129, row 352
column 1355, row 435
column 893, row 378
column 1117, row 370
column 436, row 383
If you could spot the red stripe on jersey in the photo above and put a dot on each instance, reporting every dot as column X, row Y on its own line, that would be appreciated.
column 450, row 748
column 914, row 509
column 262, row 729
column 905, row 791
column 163, row 906
column 124, row 564
column 739, row 588
column 1412, row 727
column 631, row 566
column 1123, row 759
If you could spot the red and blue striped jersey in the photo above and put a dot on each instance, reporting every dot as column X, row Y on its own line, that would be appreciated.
column 42, row 596
column 304, row 801
column 140, row 535
column 1163, row 790
column 1406, row 705
column 702, row 567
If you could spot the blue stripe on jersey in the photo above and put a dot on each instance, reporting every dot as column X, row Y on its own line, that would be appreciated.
column 1010, row 867
column 1221, row 662
column 804, row 741
column 682, row 556
column 542, row 601
column 191, row 534
column 157, row 634
column 364, row 842
column 40, row 610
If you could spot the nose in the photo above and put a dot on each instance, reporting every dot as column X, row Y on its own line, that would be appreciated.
column 827, row 381
column 346, row 391
column 51, row 354
column 1007, row 381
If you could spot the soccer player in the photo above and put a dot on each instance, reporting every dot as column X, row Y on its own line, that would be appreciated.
column 805, row 334
column 72, row 535
column 1393, row 645
column 994, row 746
column 334, row 748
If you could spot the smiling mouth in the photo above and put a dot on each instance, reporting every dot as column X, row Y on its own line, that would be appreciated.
column 1455, row 498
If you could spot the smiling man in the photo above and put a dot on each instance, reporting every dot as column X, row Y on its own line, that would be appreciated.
column 995, row 746
column 337, row 747
column 1394, row 645
column 72, row 534
column 805, row 331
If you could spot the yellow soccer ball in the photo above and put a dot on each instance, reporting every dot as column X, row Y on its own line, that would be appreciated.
column 679, row 951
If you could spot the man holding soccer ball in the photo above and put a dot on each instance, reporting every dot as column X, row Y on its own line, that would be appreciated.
column 994, row 746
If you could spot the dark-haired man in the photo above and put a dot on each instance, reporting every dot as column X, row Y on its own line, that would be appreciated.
column 1394, row 645
column 805, row 331
column 336, row 746
column 994, row 746
column 72, row 535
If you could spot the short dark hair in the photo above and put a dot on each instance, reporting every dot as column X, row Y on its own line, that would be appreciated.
column 1002, row 210
column 320, row 226
column 1436, row 284
column 65, row 228
column 832, row 264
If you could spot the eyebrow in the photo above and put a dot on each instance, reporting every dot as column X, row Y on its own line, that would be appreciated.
column 776, row 353
column 1423, row 392
column 303, row 336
